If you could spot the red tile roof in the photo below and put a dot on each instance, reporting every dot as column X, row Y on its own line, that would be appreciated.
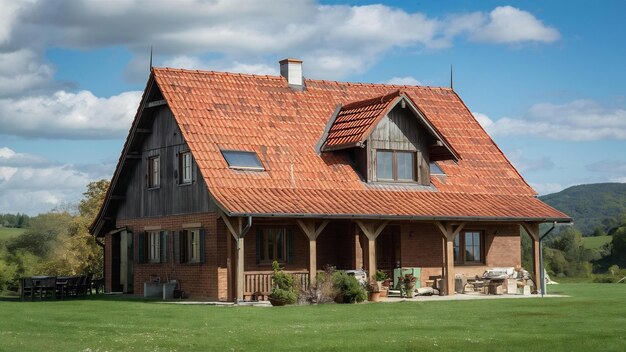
column 262, row 114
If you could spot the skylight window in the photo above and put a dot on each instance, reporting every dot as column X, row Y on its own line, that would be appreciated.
column 435, row 169
column 238, row 159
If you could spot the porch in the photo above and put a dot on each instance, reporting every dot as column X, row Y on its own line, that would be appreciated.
column 305, row 246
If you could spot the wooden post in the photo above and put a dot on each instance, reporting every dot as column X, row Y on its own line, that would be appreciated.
column 449, row 231
column 238, row 232
column 240, row 268
column 312, row 232
column 229, row 265
column 371, row 230
column 533, row 231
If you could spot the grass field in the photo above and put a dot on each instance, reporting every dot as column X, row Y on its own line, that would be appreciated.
column 8, row 232
column 596, row 242
column 592, row 319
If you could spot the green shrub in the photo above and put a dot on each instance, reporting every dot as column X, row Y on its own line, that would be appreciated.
column 380, row 275
column 283, row 289
column 349, row 289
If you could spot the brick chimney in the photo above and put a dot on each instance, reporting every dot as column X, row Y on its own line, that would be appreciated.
column 291, row 69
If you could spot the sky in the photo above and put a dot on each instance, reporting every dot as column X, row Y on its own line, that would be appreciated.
column 546, row 79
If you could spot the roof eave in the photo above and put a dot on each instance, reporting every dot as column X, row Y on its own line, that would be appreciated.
column 406, row 217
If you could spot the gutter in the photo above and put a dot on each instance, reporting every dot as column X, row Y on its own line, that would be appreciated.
column 398, row 217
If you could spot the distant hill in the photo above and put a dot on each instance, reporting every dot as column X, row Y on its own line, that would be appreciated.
column 592, row 206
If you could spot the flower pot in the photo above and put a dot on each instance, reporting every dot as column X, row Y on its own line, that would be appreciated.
column 374, row 296
column 277, row 302
column 384, row 291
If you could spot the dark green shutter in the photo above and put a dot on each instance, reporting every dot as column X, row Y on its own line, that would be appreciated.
column 141, row 248
column 259, row 245
column 163, row 246
column 184, row 247
column 176, row 247
column 289, row 246
column 202, row 254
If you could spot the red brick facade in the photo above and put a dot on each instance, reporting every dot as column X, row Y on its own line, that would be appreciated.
column 420, row 245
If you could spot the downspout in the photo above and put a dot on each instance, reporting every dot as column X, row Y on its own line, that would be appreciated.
column 245, row 230
column 542, row 273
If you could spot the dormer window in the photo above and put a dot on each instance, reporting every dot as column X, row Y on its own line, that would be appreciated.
column 244, row 160
column 395, row 165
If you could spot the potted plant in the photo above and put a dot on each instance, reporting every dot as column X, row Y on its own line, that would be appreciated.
column 348, row 288
column 374, row 292
column 380, row 277
column 407, row 284
column 283, row 287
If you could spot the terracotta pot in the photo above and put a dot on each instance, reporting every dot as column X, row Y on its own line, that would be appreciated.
column 374, row 296
column 384, row 291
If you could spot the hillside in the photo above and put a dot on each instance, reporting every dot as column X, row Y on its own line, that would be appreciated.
column 592, row 206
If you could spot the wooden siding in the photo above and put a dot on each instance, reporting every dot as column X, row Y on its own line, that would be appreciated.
column 400, row 130
column 170, row 198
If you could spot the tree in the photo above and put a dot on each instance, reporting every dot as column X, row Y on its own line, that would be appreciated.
column 619, row 246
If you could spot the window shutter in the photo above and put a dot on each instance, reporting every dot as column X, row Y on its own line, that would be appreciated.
column 141, row 248
column 163, row 246
column 184, row 247
column 259, row 245
column 176, row 247
column 202, row 254
column 289, row 246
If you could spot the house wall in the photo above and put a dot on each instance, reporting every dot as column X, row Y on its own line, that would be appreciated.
column 422, row 246
column 197, row 280
column 170, row 198
column 400, row 130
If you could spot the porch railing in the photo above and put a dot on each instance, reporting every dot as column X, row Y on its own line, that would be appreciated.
column 259, row 283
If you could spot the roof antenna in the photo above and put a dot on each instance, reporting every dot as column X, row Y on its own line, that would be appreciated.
column 150, row 57
column 451, row 76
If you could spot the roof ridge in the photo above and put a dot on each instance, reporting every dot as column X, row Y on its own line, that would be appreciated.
column 253, row 75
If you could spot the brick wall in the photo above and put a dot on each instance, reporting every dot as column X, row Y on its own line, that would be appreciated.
column 197, row 280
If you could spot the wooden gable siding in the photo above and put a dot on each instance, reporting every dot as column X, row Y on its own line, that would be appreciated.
column 170, row 198
column 400, row 130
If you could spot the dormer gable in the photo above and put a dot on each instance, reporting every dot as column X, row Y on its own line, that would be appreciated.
column 389, row 138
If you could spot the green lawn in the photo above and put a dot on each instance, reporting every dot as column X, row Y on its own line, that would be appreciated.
column 593, row 319
column 596, row 242
column 8, row 232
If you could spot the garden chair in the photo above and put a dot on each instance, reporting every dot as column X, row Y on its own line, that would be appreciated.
column 48, row 287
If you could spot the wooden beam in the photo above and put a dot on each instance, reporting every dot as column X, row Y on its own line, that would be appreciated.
column 117, row 197
column 312, row 232
column 449, row 231
column 371, row 230
column 532, row 228
column 155, row 103
column 143, row 130
column 238, row 234
column 133, row 156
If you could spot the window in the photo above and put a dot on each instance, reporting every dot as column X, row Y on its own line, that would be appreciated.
column 189, row 246
column 184, row 165
column 435, row 169
column 154, row 172
column 237, row 159
column 272, row 245
column 152, row 247
column 193, row 244
column 395, row 165
column 468, row 247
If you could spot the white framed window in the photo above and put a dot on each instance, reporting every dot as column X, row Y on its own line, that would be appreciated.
column 154, row 172
column 154, row 246
column 185, row 167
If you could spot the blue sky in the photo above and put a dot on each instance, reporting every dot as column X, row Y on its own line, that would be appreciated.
column 545, row 79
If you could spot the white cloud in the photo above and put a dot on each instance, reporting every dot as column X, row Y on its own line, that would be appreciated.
column 69, row 115
column 579, row 120
column 335, row 41
column 42, row 185
column 404, row 81
column 507, row 24
column 21, row 70
column 194, row 62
